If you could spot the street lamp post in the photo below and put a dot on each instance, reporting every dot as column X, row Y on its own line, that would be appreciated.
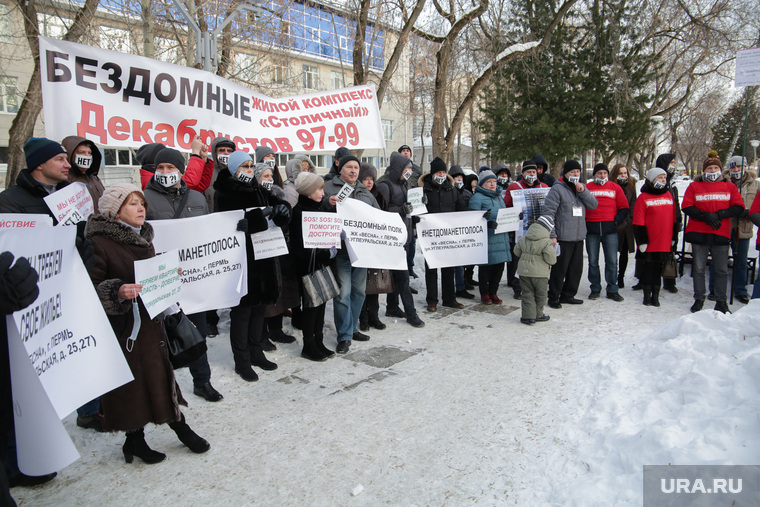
column 656, row 122
column 206, row 47
column 755, row 143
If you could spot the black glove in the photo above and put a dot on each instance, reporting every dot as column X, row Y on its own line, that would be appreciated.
column 242, row 225
column 267, row 211
column 86, row 252
column 521, row 216
column 491, row 224
column 280, row 215
column 407, row 208
column 745, row 214
column 713, row 221
column 487, row 214
column 256, row 220
column 424, row 199
column 18, row 284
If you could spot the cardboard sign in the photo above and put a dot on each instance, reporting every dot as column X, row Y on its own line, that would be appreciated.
column 321, row 230
column 269, row 243
column 24, row 221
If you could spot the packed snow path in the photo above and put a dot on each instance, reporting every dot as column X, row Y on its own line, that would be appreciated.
column 475, row 408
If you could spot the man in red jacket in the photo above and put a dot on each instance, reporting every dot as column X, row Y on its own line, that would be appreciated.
column 710, row 202
column 601, row 227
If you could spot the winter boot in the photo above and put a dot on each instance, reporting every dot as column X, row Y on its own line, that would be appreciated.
column 722, row 306
column 647, row 295
column 656, row 296
column 259, row 359
column 310, row 349
column 621, row 282
column 188, row 437
column 697, row 306
column 135, row 445
column 319, row 341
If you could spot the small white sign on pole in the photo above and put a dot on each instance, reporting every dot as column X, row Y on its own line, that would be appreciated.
column 414, row 197
column 344, row 192
column 508, row 220
column 160, row 280
column 71, row 204
column 269, row 243
column 321, row 230
column 747, row 68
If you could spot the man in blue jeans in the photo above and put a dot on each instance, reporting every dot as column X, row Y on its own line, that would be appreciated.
column 601, row 227
column 353, row 281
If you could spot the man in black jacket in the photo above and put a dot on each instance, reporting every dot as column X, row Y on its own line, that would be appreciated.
column 47, row 171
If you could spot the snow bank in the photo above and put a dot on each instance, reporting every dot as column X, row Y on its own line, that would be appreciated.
column 686, row 394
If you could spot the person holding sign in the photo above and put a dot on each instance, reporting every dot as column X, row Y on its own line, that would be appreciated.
column 310, row 189
column 353, row 281
column 237, row 189
column 393, row 191
column 121, row 237
column 529, row 179
column 442, row 197
column 289, row 297
column 85, row 159
column 487, row 197
column 47, row 171
column 169, row 198
column 566, row 205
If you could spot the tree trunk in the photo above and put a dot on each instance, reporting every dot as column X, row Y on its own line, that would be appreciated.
column 22, row 127
column 147, row 28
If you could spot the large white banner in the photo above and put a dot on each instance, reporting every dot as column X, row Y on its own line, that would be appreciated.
column 374, row 238
column 212, row 258
column 118, row 99
column 24, row 221
column 453, row 239
column 65, row 331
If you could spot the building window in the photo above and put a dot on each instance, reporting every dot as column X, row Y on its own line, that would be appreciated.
column 51, row 26
column 337, row 79
column 280, row 72
column 311, row 77
column 115, row 39
column 113, row 156
column 9, row 93
column 6, row 27
column 387, row 129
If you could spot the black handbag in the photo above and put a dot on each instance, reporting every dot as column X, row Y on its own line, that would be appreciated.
column 185, row 342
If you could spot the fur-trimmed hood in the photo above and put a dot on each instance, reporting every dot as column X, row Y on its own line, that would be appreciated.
column 748, row 176
column 723, row 177
column 427, row 177
column 100, row 225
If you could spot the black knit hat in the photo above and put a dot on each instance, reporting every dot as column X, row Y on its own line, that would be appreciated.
column 349, row 158
column 404, row 147
column 570, row 165
column 601, row 167
column 529, row 164
column 342, row 152
column 39, row 150
column 170, row 156
column 437, row 165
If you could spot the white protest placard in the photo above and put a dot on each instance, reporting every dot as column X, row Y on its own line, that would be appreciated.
column 212, row 258
column 321, row 230
column 414, row 197
column 71, row 204
column 24, row 221
column 65, row 331
column 269, row 243
column 160, row 280
column 374, row 238
column 344, row 192
column 42, row 444
column 531, row 202
column 747, row 67
column 453, row 239
column 120, row 99
column 507, row 220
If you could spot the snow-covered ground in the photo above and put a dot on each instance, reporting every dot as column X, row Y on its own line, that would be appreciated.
column 473, row 408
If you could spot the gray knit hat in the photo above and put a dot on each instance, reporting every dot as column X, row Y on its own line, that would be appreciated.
column 737, row 160
column 485, row 175
column 113, row 198
column 259, row 169
column 307, row 183
column 653, row 173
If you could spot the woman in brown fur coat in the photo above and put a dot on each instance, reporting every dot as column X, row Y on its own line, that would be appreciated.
column 626, row 245
column 120, row 237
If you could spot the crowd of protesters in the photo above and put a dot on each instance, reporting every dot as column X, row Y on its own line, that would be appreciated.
column 543, row 267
